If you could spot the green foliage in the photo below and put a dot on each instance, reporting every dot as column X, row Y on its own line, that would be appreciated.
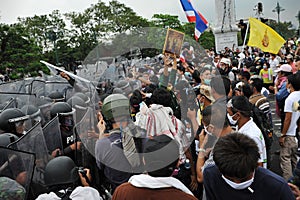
column 207, row 40
column 282, row 28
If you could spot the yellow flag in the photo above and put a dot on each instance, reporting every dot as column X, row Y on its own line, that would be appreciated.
column 264, row 37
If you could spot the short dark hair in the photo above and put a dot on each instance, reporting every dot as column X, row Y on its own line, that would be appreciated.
column 294, row 80
column 218, row 116
column 161, row 96
column 196, row 76
column 245, row 74
column 241, row 104
column 236, row 155
column 161, row 155
column 206, row 114
column 257, row 83
column 220, row 84
column 246, row 89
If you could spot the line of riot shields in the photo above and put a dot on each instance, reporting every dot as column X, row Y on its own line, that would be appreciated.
column 25, row 159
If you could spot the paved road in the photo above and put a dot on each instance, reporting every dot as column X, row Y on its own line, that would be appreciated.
column 275, row 167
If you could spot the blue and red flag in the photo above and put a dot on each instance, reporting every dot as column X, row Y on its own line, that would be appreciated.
column 194, row 16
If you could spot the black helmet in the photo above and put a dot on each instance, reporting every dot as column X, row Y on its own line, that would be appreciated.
column 115, row 105
column 61, row 171
column 84, row 97
column 31, row 110
column 34, row 114
column 9, row 117
column 7, row 138
column 65, row 113
column 60, row 108
column 56, row 96
column 76, row 102
column 79, row 105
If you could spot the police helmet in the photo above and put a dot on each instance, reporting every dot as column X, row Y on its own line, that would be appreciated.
column 9, row 117
column 31, row 110
column 61, row 171
column 56, row 96
column 76, row 102
column 84, row 97
column 7, row 138
column 60, row 108
column 115, row 105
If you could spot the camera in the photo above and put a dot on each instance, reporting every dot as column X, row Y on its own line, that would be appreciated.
column 81, row 170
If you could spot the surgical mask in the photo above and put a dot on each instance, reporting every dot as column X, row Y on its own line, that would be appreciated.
column 239, row 186
column 207, row 81
column 265, row 67
column 289, row 90
column 231, row 120
column 205, row 129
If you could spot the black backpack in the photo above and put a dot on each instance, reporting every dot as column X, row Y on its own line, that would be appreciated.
column 263, row 123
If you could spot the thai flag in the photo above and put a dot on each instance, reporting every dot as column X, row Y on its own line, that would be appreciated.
column 194, row 16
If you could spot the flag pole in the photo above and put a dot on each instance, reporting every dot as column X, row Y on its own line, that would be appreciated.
column 244, row 43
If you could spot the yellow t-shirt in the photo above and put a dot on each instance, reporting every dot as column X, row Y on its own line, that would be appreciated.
column 266, row 75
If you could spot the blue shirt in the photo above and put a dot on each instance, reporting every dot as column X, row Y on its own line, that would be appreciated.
column 266, row 185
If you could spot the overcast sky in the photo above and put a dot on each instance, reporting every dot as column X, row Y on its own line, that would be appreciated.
column 10, row 10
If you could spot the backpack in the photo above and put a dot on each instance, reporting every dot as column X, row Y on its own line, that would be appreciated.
column 263, row 123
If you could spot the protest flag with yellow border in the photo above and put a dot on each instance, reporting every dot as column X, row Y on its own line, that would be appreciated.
column 264, row 37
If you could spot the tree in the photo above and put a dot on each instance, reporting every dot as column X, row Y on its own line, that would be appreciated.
column 282, row 28
column 166, row 21
column 18, row 50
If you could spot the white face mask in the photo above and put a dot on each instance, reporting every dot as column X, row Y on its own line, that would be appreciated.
column 239, row 186
column 231, row 120
column 289, row 90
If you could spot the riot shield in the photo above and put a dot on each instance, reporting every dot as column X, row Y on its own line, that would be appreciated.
column 44, row 88
column 44, row 105
column 33, row 141
column 13, row 86
column 16, row 170
column 83, row 128
column 20, row 99
column 52, row 135
column 8, row 104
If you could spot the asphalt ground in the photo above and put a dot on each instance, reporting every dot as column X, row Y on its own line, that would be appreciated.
column 275, row 164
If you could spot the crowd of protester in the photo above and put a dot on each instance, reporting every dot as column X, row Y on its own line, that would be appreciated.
column 195, row 127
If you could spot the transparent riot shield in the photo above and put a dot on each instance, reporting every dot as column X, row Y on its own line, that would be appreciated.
column 85, row 130
column 10, row 103
column 20, row 99
column 33, row 141
column 52, row 135
column 13, row 86
column 38, row 88
column 44, row 104
column 16, row 170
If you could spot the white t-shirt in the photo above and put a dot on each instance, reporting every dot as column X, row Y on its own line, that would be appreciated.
column 80, row 193
column 273, row 65
column 250, row 129
column 288, row 107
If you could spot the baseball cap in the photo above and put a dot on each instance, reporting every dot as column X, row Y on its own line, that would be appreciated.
column 284, row 68
column 206, row 91
column 225, row 61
